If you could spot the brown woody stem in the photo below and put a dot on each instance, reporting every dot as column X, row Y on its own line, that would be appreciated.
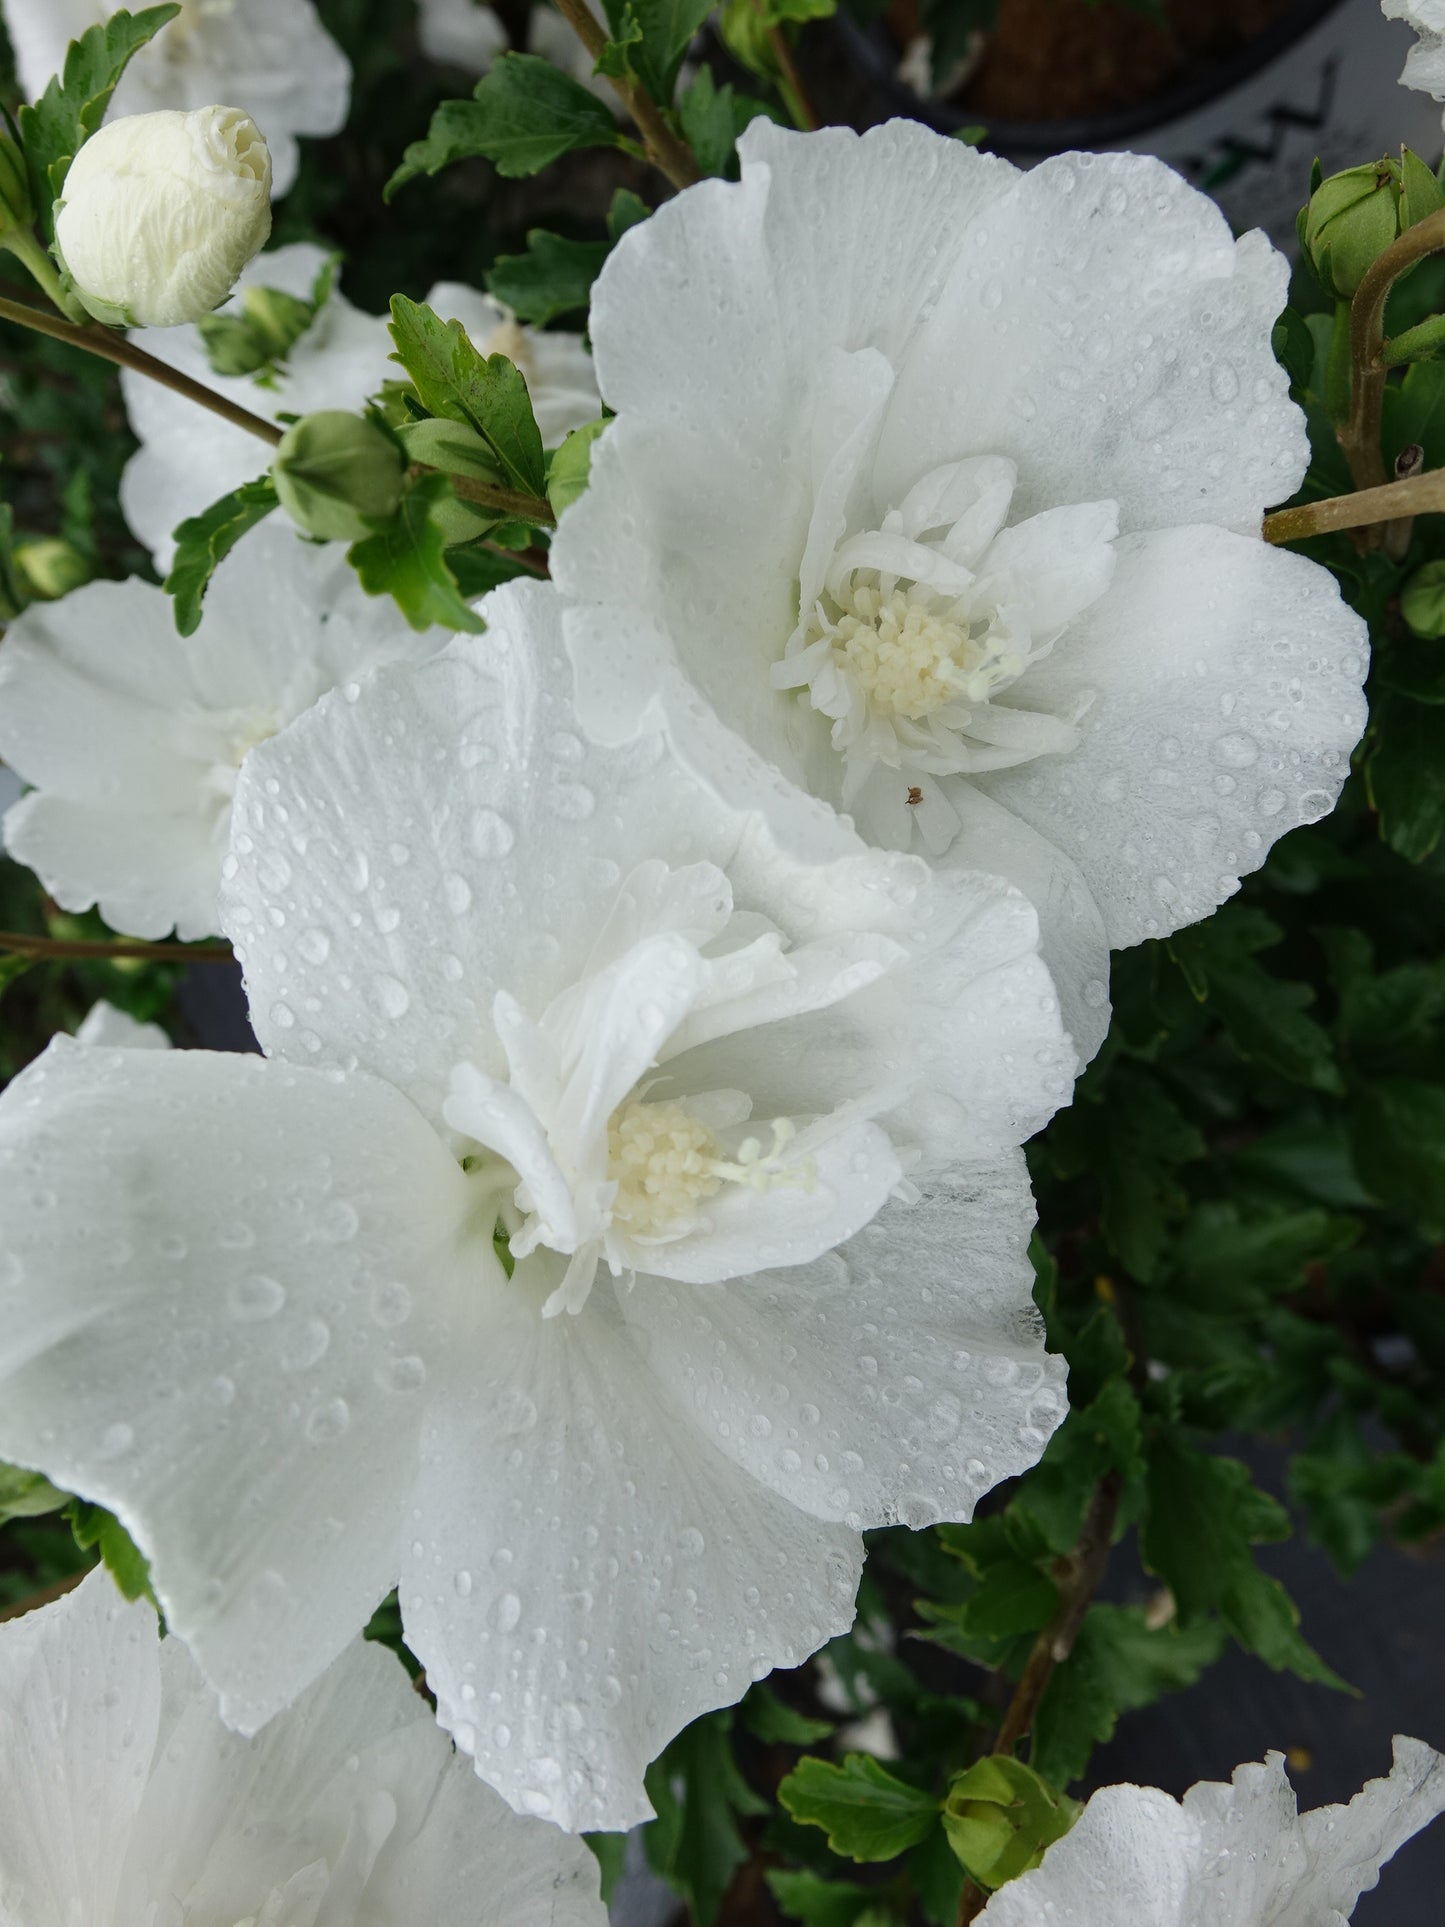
column 668, row 154
column 19, row 943
column 1077, row 1576
column 1392, row 501
column 45, row 1597
column 111, row 346
column 1359, row 433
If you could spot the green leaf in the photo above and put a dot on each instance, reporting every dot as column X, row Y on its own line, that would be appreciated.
column 1405, row 773
column 1223, row 1258
column 27, row 1495
column 1265, row 1015
column 626, row 211
column 1118, row 1664
column 479, row 570
column 664, row 31
column 1204, row 1515
column 525, row 114
column 204, row 541
column 1134, row 1137
column 1397, row 1128
column 713, row 117
column 770, row 1719
column 408, row 561
column 1411, row 669
column 866, row 1813
column 456, row 381
column 697, row 1790
column 1094, row 1439
column 554, row 277
column 609, row 1850
column 1001, row 1816
column 72, row 107
column 571, row 466
column 1013, row 1597
column 819, row 1903
column 451, row 446
column 96, row 1529
column 1294, row 348
column 258, row 341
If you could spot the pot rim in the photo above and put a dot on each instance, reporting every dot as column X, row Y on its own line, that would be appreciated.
column 1208, row 81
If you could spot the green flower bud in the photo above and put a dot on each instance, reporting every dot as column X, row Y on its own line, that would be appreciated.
column 1351, row 219
column 338, row 475
column 1000, row 1816
column 16, row 208
column 1422, row 600
column 51, row 567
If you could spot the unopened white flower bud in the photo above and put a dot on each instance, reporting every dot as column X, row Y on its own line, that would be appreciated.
column 161, row 213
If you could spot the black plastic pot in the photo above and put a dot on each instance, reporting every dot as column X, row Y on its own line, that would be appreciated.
column 1322, row 81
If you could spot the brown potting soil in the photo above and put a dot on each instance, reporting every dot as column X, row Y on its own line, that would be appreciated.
column 1063, row 59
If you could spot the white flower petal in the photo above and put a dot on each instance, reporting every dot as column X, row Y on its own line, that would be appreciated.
column 113, row 1029
column 133, row 734
column 494, row 1115
column 1222, row 682
column 895, row 1380
column 1425, row 62
column 147, row 874
column 125, row 1799
column 1121, row 342
column 1239, row 1853
column 206, row 1327
column 682, row 1578
column 461, row 33
column 530, row 813
column 79, row 1711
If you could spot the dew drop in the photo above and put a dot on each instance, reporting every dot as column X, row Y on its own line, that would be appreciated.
column 254, row 1298
column 492, row 835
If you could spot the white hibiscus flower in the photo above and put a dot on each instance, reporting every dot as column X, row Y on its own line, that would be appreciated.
column 1241, row 1854
column 1425, row 62
column 133, row 735
column 189, row 459
column 124, row 1800
column 116, row 1029
column 546, row 1011
column 271, row 57
column 937, row 487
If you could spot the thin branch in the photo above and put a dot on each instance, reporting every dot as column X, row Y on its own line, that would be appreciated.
column 1077, row 1577
column 1414, row 495
column 792, row 89
column 668, row 154
column 1359, row 433
column 110, row 346
column 19, row 943
column 47, row 1595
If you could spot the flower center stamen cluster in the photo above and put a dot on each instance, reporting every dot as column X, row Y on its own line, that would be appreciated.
column 665, row 1163
column 912, row 636
column 910, row 660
